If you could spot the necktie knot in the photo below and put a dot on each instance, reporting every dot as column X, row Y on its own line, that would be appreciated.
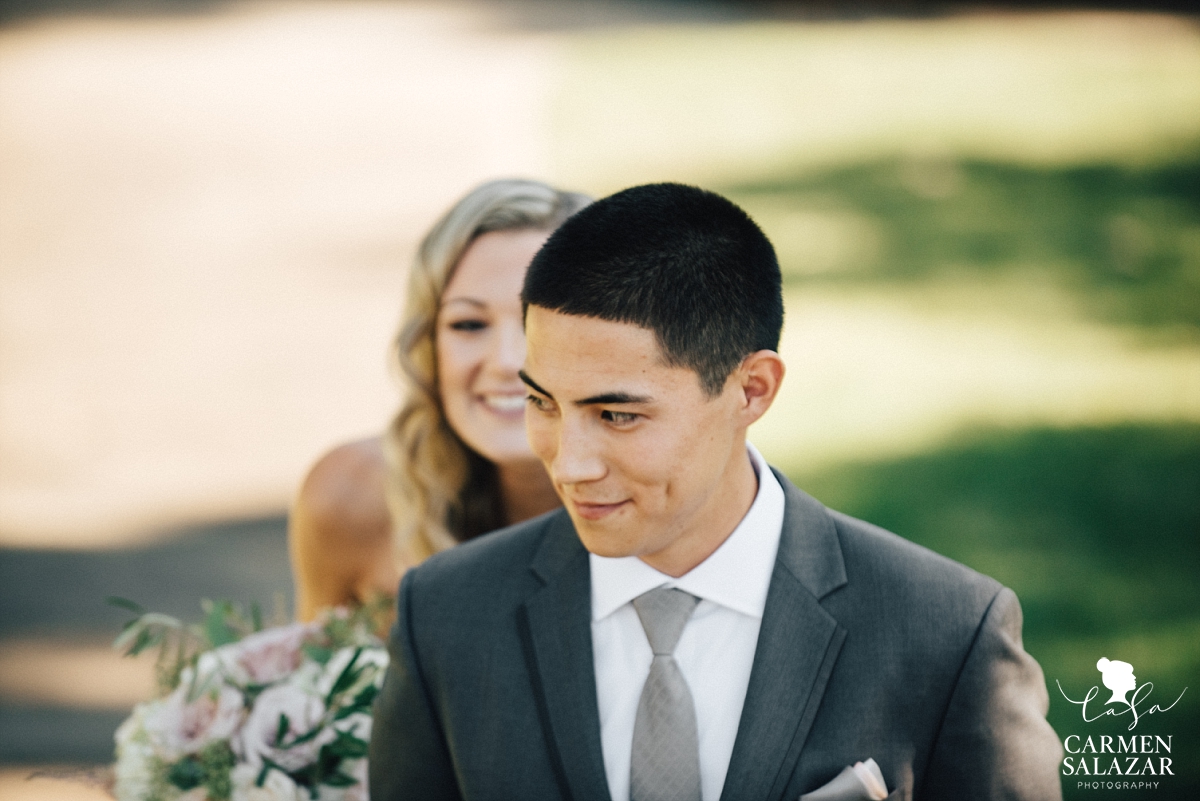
column 664, row 612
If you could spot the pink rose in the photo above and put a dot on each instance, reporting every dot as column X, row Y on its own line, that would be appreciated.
column 271, row 654
column 176, row 726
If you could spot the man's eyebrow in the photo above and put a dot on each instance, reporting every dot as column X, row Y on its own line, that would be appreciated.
column 533, row 384
column 613, row 398
column 605, row 398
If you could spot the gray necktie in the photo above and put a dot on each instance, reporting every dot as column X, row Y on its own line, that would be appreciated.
column 666, row 751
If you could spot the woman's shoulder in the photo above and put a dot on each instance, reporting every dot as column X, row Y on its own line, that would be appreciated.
column 345, row 491
column 340, row 514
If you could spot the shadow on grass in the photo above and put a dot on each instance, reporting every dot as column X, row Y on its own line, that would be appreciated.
column 1126, row 241
column 1098, row 532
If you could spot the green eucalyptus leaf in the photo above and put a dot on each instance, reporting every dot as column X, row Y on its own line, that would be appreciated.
column 125, row 603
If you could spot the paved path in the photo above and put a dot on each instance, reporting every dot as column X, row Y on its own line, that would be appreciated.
column 58, row 597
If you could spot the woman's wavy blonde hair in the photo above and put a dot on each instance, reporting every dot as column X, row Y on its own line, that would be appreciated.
column 440, row 492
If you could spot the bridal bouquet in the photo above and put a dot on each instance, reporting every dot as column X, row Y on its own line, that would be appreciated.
column 250, row 713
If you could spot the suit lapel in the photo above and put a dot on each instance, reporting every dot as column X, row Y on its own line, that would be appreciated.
column 558, row 648
column 798, row 645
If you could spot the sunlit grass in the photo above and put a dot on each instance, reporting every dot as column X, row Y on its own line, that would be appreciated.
column 724, row 103
column 889, row 371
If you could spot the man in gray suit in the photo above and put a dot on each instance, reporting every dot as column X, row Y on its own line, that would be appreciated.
column 691, row 625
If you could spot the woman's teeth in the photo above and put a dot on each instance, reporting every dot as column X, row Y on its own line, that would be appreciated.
column 505, row 403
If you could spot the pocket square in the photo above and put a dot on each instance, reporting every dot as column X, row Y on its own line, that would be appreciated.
column 861, row 782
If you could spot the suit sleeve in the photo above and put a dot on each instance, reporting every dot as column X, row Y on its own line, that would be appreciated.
column 409, row 758
column 994, row 741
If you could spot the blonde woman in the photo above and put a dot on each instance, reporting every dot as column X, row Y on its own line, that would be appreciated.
column 454, row 463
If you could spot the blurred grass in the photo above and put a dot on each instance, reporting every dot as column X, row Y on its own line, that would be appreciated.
column 1124, row 240
column 1096, row 529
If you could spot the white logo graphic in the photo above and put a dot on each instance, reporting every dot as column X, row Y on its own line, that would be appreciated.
column 1118, row 677
column 1117, row 758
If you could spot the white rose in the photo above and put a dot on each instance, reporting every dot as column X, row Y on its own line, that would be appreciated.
column 214, row 668
column 176, row 727
column 257, row 738
column 276, row 786
column 136, row 763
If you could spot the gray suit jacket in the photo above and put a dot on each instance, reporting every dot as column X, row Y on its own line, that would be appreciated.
column 870, row 646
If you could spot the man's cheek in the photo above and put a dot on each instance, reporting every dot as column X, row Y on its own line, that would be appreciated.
column 541, row 438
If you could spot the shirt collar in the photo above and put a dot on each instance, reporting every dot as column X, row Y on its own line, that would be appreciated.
column 736, row 575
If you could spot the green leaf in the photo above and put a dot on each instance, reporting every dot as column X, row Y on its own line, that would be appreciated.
column 256, row 616
column 345, row 679
column 251, row 692
column 347, row 711
column 317, row 653
column 146, row 638
column 125, row 603
column 216, row 625
column 348, row 747
column 186, row 774
column 308, row 735
column 339, row 779
column 366, row 696
column 267, row 767
column 282, row 730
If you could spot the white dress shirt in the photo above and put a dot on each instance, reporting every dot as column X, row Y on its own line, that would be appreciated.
column 715, row 651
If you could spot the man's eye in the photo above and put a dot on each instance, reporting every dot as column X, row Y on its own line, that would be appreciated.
column 620, row 418
column 468, row 325
column 541, row 404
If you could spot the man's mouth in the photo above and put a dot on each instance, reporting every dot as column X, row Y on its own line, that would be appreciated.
column 595, row 511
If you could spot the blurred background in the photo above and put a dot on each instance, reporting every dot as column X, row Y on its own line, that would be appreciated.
column 988, row 220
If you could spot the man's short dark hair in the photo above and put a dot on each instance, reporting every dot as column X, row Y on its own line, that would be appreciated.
column 686, row 263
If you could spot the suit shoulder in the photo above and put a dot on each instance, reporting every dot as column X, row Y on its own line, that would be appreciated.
column 494, row 559
column 901, row 570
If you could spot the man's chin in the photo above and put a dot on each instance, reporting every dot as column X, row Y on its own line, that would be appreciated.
column 601, row 539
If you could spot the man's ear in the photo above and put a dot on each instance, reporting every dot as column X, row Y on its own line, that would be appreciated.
column 759, row 377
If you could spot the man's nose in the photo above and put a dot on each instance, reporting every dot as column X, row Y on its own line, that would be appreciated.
column 578, row 459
